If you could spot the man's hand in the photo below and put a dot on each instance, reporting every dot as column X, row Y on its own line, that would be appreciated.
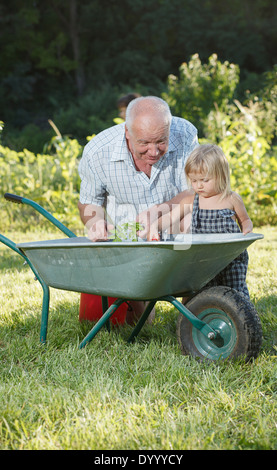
column 93, row 217
column 99, row 231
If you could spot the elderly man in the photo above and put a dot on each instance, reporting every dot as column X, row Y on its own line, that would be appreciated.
column 129, row 167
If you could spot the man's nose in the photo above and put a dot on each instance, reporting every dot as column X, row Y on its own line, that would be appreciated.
column 153, row 150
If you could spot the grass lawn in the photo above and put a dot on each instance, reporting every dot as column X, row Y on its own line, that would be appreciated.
column 143, row 396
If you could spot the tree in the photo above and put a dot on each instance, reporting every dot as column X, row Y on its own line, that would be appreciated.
column 201, row 88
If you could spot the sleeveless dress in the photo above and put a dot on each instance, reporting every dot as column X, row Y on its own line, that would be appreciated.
column 220, row 221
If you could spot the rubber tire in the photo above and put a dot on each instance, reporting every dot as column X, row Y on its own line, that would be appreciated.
column 239, row 319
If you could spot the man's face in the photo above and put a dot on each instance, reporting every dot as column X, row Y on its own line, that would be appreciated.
column 148, row 139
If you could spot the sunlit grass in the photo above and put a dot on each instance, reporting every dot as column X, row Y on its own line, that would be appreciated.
column 112, row 395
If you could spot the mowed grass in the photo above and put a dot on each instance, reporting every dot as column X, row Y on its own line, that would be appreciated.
column 112, row 395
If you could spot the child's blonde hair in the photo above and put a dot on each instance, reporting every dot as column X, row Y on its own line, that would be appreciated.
column 209, row 160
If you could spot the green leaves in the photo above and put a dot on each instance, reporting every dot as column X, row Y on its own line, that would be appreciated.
column 201, row 87
column 51, row 179
column 126, row 232
column 204, row 94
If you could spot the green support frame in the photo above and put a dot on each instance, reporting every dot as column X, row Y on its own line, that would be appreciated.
column 199, row 324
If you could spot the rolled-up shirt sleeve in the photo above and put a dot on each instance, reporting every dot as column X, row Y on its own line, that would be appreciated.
column 92, row 189
column 92, row 174
column 94, row 165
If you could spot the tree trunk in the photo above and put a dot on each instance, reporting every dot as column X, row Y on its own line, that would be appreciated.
column 75, row 41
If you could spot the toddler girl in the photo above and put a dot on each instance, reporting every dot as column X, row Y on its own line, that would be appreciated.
column 209, row 207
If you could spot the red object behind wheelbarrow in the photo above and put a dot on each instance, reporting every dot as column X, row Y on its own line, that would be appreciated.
column 91, row 309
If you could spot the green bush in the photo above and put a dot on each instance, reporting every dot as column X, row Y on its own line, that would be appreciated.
column 253, row 164
column 30, row 136
column 200, row 88
column 205, row 94
column 50, row 179
column 92, row 113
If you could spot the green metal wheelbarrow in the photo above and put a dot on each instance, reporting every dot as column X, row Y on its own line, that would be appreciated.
column 216, row 323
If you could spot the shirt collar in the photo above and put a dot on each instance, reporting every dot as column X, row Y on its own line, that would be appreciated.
column 120, row 151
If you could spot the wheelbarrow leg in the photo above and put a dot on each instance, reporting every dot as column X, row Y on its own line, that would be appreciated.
column 46, row 295
column 106, row 316
column 141, row 321
column 200, row 325
column 196, row 322
column 105, row 306
column 45, row 304
column 44, row 313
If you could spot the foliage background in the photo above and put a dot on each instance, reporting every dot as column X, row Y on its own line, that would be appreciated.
column 68, row 62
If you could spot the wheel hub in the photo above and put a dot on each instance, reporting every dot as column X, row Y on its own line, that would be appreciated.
column 226, row 336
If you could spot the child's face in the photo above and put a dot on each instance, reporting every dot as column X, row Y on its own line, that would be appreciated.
column 122, row 112
column 202, row 184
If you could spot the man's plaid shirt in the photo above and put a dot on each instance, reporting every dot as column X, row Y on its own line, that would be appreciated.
column 110, row 179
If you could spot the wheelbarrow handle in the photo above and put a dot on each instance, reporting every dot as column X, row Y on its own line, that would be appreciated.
column 13, row 198
column 41, row 210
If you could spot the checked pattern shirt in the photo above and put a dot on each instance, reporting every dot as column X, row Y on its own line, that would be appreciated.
column 110, row 179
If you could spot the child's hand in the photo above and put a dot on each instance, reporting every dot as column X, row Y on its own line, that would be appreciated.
column 144, row 221
column 246, row 231
column 153, row 234
column 247, row 227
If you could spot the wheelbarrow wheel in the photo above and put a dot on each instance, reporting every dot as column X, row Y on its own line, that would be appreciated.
column 231, row 315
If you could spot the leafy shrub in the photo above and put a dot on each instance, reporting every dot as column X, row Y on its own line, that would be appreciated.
column 30, row 136
column 253, row 162
column 92, row 113
column 49, row 179
column 204, row 94
column 201, row 87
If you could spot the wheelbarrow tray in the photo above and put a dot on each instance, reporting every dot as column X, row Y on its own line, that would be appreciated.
column 135, row 270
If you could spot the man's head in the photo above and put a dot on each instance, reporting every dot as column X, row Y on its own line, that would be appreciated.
column 148, row 122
